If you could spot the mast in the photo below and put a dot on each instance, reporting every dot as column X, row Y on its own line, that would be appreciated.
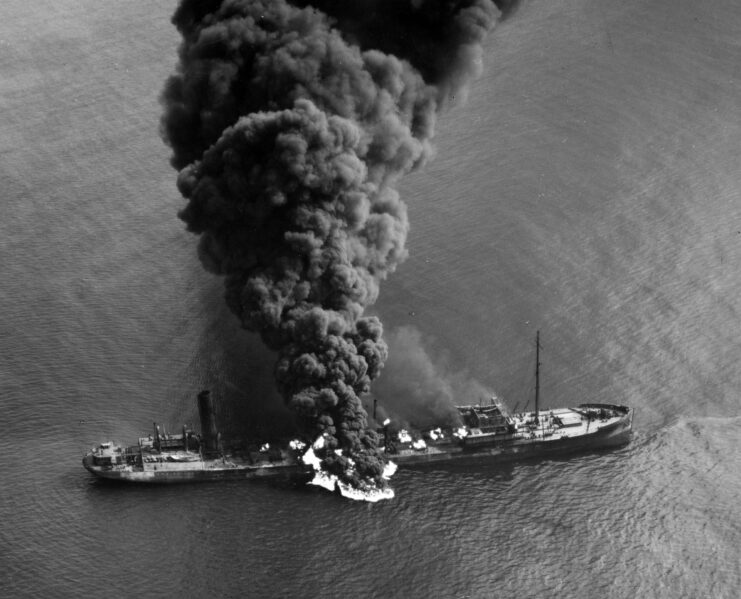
column 537, row 373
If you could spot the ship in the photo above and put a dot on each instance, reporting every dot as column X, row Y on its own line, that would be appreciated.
column 188, row 456
column 485, row 431
column 489, row 431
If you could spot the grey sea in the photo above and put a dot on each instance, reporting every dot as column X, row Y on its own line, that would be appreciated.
column 588, row 187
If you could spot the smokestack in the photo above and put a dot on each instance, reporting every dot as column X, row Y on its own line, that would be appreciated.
column 208, row 421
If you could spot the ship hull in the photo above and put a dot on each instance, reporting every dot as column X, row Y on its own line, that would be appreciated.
column 205, row 471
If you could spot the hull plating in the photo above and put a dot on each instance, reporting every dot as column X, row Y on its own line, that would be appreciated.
column 203, row 471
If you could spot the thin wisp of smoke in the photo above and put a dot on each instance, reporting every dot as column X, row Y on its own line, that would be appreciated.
column 289, row 125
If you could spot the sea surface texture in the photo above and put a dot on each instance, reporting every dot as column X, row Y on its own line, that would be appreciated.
column 588, row 187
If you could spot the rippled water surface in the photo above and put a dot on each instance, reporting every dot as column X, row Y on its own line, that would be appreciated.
column 588, row 188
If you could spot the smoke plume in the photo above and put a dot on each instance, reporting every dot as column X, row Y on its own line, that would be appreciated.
column 419, row 389
column 289, row 124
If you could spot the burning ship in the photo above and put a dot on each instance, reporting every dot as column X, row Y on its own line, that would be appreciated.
column 487, row 431
column 188, row 456
column 491, row 431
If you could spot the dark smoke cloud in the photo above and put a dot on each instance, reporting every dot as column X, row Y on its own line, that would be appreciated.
column 420, row 390
column 507, row 7
column 289, row 124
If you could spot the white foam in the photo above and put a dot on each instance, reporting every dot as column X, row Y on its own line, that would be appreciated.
column 371, row 494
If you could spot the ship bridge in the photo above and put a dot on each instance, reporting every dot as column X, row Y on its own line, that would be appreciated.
column 492, row 418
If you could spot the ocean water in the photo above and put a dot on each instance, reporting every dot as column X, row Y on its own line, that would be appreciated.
column 588, row 188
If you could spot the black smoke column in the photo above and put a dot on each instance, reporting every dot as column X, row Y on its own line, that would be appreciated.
column 208, row 421
column 290, row 127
